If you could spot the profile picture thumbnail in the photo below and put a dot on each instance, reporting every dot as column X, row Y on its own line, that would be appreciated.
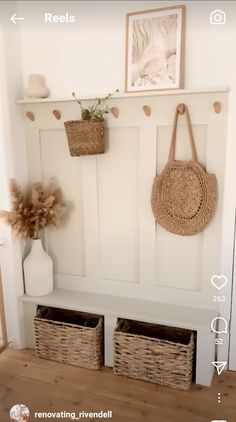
column 19, row 413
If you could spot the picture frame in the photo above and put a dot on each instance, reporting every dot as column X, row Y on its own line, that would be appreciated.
column 155, row 49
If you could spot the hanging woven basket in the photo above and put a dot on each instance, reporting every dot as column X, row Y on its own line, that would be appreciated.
column 85, row 137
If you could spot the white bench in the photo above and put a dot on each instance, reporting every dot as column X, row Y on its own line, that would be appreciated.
column 113, row 307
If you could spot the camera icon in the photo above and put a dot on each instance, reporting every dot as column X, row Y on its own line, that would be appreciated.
column 217, row 17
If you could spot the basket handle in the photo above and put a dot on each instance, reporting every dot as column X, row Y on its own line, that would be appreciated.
column 182, row 109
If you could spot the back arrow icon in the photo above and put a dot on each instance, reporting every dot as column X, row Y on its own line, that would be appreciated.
column 14, row 18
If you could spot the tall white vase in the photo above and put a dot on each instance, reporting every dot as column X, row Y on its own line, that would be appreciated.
column 38, row 271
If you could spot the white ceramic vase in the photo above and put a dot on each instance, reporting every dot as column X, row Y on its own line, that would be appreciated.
column 38, row 271
column 37, row 87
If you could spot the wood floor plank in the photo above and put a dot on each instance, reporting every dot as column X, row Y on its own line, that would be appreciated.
column 43, row 385
column 58, row 399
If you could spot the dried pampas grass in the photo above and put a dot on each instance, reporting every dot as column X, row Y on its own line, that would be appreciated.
column 42, row 206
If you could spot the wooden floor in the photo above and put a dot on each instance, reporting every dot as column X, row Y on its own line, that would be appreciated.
column 46, row 386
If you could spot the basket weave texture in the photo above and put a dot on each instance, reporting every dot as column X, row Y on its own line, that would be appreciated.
column 85, row 137
column 154, row 353
column 183, row 196
column 69, row 337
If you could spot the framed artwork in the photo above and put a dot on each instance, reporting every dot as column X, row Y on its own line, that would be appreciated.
column 154, row 49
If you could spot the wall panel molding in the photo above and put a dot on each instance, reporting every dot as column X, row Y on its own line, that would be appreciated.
column 111, row 244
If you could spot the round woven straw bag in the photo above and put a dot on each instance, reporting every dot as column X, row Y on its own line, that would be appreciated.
column 184, row 195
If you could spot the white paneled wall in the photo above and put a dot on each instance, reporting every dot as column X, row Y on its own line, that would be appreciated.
column 118, row 193
column 110, row 243
column 56, row 162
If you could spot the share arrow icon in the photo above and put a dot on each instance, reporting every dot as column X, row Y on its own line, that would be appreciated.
column 220, row 366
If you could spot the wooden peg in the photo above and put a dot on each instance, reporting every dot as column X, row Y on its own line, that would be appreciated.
column 147, row 110
column 30, row 115
column 57, row 114
column 181, row 108
column 115, row 112
column 217, row 107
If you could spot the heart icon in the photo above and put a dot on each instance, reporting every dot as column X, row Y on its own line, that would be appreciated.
column 219, row 281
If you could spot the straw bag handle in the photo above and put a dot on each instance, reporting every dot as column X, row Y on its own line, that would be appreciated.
column 173, row 138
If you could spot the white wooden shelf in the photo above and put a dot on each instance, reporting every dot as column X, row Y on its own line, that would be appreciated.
column 113, row 307
column 161, row 313
column 121, row 95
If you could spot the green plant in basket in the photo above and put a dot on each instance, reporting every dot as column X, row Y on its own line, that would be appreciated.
column 97, row 110
column 86, row 136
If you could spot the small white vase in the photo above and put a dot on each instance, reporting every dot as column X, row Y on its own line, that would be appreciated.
column 38, row 271
column 37, row 87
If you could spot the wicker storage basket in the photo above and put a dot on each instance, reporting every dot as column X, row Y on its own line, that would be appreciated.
column 70, row 337
column 85, row 137
column 156, row 353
